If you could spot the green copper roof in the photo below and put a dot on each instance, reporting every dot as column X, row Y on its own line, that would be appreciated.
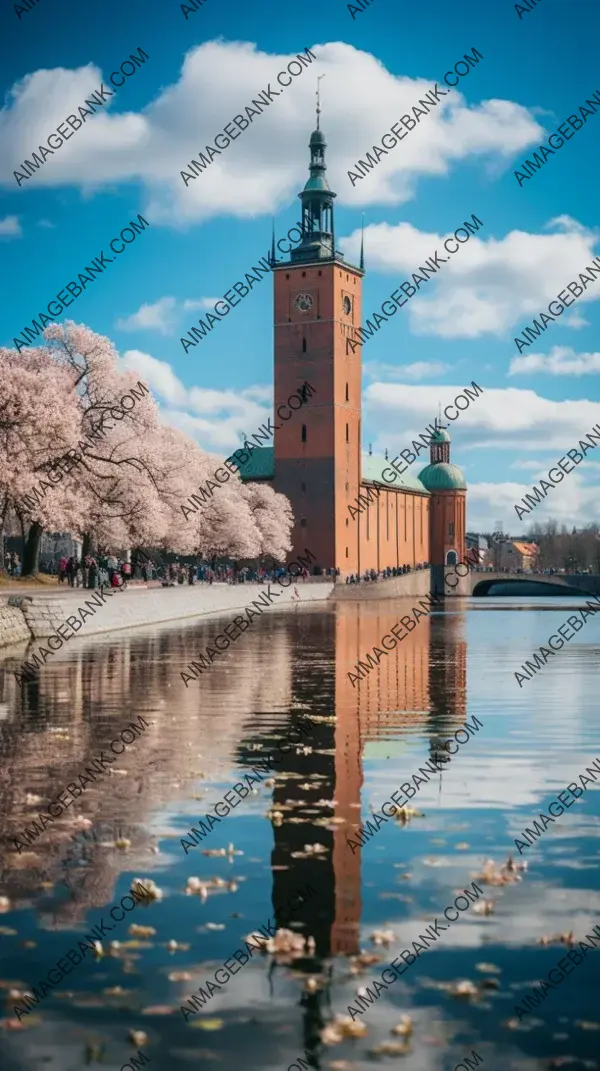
column 440, row 436
column 261, row 466
column 373, row 467
column 443, row 477
column 317, row 182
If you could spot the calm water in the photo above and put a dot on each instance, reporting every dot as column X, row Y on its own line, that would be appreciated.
column 533, row 742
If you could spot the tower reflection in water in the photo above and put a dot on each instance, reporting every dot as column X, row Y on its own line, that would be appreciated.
column 420, row 687
column 54, row 726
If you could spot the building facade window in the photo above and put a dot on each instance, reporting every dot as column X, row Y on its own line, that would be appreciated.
column 304, row 345
column 347, row 434
column 304, row 433
column 303, row 487
column 347, row 393
column 451, row 529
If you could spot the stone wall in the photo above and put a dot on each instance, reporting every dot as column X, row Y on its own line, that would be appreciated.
column 37, row 616
column 415, row 584
column 13, row 626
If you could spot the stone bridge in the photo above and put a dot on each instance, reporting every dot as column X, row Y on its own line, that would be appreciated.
column 479, row 583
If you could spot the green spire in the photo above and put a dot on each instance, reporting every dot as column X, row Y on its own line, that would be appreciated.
column 317, row 199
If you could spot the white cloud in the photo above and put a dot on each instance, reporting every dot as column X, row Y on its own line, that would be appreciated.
column 418, row 370
column 215, row 418
column 47, row 224
column 157, row 317
column 490, row 284
column 10, row 227
column 535, row 466
column 575, row 320
column 488, row 502
column 509, row 418
column 158, row 375
column 264, row 167
column 561, row 361
column 202, row 303
column 163, row 315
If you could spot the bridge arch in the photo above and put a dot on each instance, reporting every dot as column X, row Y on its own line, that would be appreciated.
column 524, row 585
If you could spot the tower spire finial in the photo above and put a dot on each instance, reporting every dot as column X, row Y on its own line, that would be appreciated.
column 362, row 243
column 273, row 257
column 319, row 100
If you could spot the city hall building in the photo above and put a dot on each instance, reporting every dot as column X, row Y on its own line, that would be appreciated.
column 352, row 510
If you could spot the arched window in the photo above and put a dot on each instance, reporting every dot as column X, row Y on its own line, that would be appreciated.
column 451, row 557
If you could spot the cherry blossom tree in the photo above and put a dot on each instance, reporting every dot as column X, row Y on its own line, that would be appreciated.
column 39, row 417
column 134, row 473
column 273, row 517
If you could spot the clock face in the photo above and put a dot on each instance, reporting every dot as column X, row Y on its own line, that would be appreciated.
column 347, row 306
column 304, row 303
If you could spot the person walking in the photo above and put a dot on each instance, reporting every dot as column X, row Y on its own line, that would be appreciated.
column 71, row 571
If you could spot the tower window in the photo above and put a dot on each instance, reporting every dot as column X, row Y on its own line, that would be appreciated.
column 451, row 529
column 347, row 522
column 320, row 273
column 303, row 487
column 346, row 551
column 303, row 274
column 304, row 433
column 304, row 345
column 287, row 275
column 347, row 434
column 303, row 523
column 347, row 486
column 347, row 396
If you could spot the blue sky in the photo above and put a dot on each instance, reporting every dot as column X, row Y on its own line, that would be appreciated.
column 202, row 71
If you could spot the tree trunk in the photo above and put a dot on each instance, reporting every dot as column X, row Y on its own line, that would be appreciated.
column 88, row 546
column 31, row 554
column 2, row 520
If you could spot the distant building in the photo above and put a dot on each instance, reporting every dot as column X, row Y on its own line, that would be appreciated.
column 481, row 544
column 56, row 545
column 517, row 554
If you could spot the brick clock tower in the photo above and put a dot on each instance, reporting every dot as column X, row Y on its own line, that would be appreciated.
column 317, row 305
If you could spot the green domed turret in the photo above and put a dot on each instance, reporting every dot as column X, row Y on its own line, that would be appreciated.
column 443, row 477
column 440, row 474
column 440, row 435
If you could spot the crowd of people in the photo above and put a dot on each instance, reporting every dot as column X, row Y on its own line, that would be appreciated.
column 222, row 574
column 13, row 564
column 371, row 575
column 89, row 572
column 110, row 571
